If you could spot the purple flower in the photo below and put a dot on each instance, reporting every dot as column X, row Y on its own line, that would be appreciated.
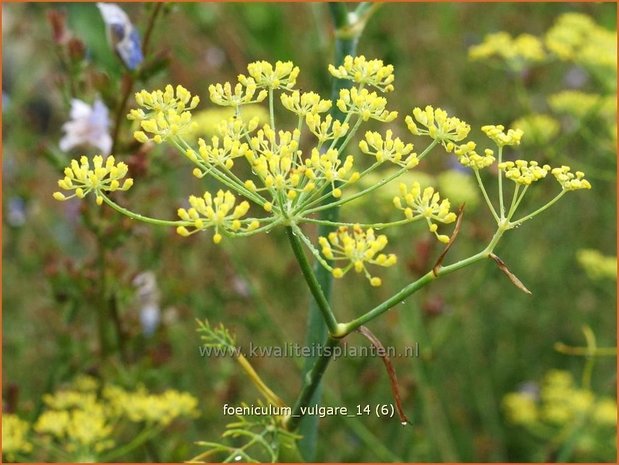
column 89, row 125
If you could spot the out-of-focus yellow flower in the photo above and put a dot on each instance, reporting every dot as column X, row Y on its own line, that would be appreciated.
column 102, row 177
column 520, row 407
column 605, row 412
column 459, row 187
column 439, row 126
column 524, row 172
column 596, row 265
column 14, row 436
column 426, row 204
column 281, row 76
column 570, row 181
column 388, row 148
column 222, row 121
column 365, row 72
column 540, row 129
column 358, row 248
column 141, row 406
column 368, row 105
column 517, row 51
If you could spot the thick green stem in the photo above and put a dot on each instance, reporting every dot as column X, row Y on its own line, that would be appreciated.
column 312, row 383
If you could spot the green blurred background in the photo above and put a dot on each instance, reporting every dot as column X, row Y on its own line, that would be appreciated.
column 479, row 336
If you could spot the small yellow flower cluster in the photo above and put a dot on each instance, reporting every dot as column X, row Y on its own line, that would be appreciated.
column 539, row 128
column 576, row 37
column 368, row 105
column 104, row 176
column 358, row 248
column 141, row 406
column 14, row 436
column 329, row 166
column 242, row 94
column 219, row 153
column 222, row 121
column 570, row 181
column 459, row 187
column 496, row 133
column 365, row 72
column 515, row 51
column 327, row 129
column 582, row 104
column 167, row 113
column 219, row 212
column 596, row 265
column 388, row 149
column 439, row 126
column 467, row 156
column 78, row 420
column 524, row 172
column 282, row 76
column 306, row 103
column 559, row 403
column 425, row 204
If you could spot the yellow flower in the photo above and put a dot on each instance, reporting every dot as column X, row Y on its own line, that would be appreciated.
column 439, row 126
column 368, row 105
column 221, row 152
column 167, row 113
column 570, row 181
column 388, row 149
column 459, row 187
column 496, row 133
column 282, row 76
column 596, row 265
column 467, row 156
column 102, row 177
column 223, row 121
column 540, row 129
column 524, row 172
column 326, row 129
column 358, row 248
column 520, row 408
column 605, row 412
column 425, row 204
column 243, row 93
column 160, row 409
column 305, row 103
column 365, row 72
column 579, row 104
column 327, row 166
column 14, row 436
column 515, row 51
column 218, row 212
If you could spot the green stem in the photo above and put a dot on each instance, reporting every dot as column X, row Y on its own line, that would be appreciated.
column 137, row 441
column 501, row 203
column 539, row 210
column 312, row 383
column 310, row 278
column 485, row 193
column 138, row 217
column 407, row 291
column 363, row 225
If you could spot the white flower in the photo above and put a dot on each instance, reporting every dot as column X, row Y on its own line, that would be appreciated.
column 89, row 125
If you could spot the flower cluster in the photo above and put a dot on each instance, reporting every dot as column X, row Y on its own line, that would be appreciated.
column 14, row 436
column 596, row 265
column 368, row 105
column 242, row 94
column 104, row 176
column 524, row 172
column 281, row 76
column 439, row 126
column 516, row 51
column 327, row 128
column 426, row 204
column 539, row 128
column 501, row 138
column 570, row 181
column 467, row 156
column 389, row 149
column 558, row 403
column 358, row 248
column 365, row 72
column 306, row 103
column 218, row 212
column 164, row 114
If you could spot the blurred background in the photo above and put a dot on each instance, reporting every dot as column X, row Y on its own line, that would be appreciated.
column 480, row 338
